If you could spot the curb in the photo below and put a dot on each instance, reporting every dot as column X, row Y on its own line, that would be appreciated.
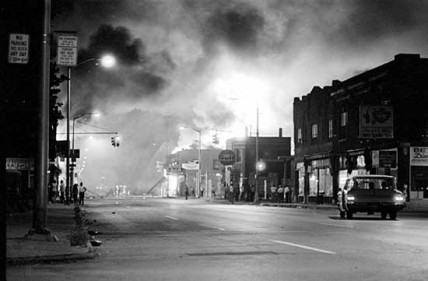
column 51, row 258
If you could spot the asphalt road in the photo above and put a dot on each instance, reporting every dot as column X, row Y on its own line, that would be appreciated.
column 175, row 239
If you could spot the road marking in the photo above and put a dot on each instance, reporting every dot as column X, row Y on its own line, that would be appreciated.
column 338, row 225
column 172, row 218
column 304, row 247
column 210, row 226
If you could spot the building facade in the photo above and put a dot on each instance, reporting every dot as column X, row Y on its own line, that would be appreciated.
column 373, row 123
column 182, row 169
column 275, row 152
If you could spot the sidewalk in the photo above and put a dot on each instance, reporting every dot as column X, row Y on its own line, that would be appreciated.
column 39, row 248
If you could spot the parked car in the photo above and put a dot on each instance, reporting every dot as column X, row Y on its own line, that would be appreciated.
column 370, row 193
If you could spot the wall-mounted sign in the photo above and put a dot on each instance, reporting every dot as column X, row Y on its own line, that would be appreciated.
column 193, row 165
column 21, row 164
column 226, row 157
column 19, row 48
column 419, row 156
column 376, row 122
column 67, row 49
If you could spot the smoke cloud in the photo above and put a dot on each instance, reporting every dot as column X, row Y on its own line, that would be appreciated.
column 210, row 64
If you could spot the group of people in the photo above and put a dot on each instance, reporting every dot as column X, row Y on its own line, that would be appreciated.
column 62, row 192
column 280, row 194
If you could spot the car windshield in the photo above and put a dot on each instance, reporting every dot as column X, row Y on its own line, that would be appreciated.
column 371, row 183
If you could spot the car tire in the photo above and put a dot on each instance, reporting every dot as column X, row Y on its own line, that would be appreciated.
column 383, row 215
column 349, row 215
column 393, row 215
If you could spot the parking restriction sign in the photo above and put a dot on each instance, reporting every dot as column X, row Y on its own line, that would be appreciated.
column 19, row 48
column 67, row 49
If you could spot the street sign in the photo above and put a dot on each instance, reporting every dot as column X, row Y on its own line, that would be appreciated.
column 67, row 49
column 19, row 48
column 227, row 157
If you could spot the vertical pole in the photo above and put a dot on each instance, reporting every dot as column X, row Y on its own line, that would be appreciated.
column 200, row 164
column 67, row 169
column 41, row 163
column 256, row 196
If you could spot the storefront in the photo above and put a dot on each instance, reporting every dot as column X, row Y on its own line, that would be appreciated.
column 419, row 173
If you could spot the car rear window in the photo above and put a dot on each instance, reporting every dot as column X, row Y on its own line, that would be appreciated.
column 371, row 183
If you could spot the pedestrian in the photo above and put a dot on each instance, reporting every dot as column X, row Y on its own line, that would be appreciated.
column 62, row 191
column 50, row 192
column 252, row 192
column 186, row 191
column 75, row 193
column 273, row 194
column 82, row 190
column 231, row 193
column 54, row 191
column 280, row 192
column 287, row 194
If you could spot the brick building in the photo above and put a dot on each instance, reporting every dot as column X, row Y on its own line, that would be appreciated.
column 372, row 123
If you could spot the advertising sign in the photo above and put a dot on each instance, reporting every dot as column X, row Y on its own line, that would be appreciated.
column 21, row 164
column 19, row 48
column 376, row 122
column 194, row 165
column 227, row 157
column 67, row 49
column 419, row 156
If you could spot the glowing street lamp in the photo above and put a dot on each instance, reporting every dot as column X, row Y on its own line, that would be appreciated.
column 107, row 61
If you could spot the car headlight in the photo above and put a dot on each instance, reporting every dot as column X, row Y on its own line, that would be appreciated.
column 350, row 198
column 398, row 198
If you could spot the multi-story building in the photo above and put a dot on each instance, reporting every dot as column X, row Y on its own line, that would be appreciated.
column 373, row 123
column 275, row 152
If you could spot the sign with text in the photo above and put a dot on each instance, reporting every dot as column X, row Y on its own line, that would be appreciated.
column 376, row 122
column 67, row 49
column 21, row 164
column 419, row 156
column 227, row 157
column 19, row 48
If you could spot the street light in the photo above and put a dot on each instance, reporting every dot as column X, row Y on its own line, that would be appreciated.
column 107, row 61
column 198, row 178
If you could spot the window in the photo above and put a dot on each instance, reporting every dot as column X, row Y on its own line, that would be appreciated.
column 314, row 131
column 238, row 155
column 299, row 135
column 330, row 129
column 343, row 119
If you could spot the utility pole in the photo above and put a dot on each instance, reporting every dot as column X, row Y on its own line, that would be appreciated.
column 256, row 196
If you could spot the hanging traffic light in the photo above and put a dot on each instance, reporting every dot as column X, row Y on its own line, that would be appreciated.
column 115, row 141
column 215, row 138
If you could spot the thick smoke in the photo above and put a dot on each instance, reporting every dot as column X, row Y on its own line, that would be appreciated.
column 180, row 62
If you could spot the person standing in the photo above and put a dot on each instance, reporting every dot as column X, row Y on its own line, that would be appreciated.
column 280, row 192
column 62, row 191
column 82, row 190
column 186, row 191
column 273, row 193
column 287, row 194
column 75, row 193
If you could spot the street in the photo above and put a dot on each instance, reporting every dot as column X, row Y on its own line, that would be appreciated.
column 177, row 239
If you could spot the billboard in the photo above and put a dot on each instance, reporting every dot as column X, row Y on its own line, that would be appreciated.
column 419, row 156
column 376, row 122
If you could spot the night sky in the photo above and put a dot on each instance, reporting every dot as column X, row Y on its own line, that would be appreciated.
column 210, row 64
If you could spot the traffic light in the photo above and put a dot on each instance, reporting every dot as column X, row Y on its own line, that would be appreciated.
column 215, row 138
column 115, row 141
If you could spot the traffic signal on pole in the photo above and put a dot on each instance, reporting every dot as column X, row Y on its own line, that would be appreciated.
column 115, row 141
column 215, row 139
